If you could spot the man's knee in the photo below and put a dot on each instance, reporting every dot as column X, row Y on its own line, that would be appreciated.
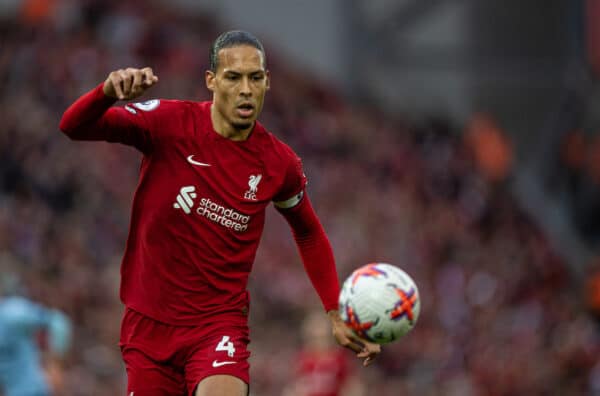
column 221, row 385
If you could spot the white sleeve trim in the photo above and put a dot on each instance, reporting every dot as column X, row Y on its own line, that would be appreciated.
column 289, row 203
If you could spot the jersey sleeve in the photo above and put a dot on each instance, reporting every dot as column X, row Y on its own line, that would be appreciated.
column 25, row 316
column 292, row 190
column 59, row 331
column 93, row 117
column 315, row 250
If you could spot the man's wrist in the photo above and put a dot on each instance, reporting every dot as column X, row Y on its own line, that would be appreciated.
column 334, row 315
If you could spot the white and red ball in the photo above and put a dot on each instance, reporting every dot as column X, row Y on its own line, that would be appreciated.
column 380, row 302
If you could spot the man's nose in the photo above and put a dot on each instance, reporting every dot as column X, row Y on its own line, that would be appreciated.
column 245, row 87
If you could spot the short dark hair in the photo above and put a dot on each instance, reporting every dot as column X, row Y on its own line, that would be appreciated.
column 231, row 39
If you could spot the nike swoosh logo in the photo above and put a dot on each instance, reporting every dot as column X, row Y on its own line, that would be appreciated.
column 219, row 364
column 190, row 159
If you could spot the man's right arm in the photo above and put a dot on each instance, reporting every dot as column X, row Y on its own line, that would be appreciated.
column 92, row 116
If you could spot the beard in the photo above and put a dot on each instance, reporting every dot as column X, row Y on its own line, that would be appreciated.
column 240, row 126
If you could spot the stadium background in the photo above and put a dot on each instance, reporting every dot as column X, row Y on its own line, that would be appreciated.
column 458, row 140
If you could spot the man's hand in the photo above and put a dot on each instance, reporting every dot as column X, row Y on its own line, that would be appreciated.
column 346, row 338
column 126, row 84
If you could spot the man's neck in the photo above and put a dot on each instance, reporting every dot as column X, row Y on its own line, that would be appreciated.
column 227, row 130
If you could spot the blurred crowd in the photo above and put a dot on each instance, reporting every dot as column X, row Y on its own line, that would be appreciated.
column 501, row 314
column 579, row 162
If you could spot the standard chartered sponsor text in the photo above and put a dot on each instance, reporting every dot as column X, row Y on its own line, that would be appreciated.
column 226, row 217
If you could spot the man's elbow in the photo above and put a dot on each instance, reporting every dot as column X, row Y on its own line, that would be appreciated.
column 68, row 128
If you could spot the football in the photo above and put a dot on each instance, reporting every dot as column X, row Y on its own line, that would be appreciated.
column 380, row 302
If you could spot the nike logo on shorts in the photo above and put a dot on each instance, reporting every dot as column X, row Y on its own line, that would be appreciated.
column 219, row 364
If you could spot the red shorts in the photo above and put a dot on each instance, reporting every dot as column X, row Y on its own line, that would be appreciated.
column 163, row 360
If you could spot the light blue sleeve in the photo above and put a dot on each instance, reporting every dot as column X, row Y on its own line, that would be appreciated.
column 25, row 316
column 59, row 332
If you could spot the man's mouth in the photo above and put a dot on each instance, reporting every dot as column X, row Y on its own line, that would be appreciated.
column 245, row 110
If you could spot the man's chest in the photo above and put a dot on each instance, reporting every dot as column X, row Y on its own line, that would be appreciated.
column 189, row 173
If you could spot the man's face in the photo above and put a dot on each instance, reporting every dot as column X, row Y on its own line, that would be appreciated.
column 239, row 85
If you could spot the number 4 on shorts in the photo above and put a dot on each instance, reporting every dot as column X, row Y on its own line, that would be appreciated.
column 226, row 345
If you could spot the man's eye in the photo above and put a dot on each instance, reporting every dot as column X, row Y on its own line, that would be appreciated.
column 257, row 77
column 231, row 77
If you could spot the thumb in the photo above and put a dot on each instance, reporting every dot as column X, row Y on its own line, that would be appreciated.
column 109, row 89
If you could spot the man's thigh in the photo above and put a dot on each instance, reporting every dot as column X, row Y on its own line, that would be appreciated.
column 148, row 350
column 219, row 365
column 146, row 377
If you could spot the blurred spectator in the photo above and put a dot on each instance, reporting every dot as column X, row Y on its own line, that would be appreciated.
column 320, row 368
column 491, row 147
column 22, row 371
column 35, row 11
column 592, row 289
column 580, row 158
column 573, row 154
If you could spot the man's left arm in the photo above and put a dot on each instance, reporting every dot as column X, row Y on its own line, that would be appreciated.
column 319, row 263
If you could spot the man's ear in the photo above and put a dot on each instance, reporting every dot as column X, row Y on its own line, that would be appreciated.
column 268, row 74
column 209, row 78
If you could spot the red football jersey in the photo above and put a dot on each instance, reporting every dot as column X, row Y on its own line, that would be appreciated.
column 199, row 208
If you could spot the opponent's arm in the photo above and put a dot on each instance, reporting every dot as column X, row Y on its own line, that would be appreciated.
column 27, row 317
column 59, row 332
column 92, row 118
column 319, row 263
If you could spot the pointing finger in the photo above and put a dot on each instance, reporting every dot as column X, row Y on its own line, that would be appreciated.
column 116, row 83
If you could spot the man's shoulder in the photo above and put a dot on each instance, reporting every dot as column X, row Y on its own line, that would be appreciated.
column 16, row 309
column 276, row 145
column 16, row 303
column 171, row 117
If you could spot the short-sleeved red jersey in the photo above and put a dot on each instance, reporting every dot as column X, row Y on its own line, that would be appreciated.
column 199, row 208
